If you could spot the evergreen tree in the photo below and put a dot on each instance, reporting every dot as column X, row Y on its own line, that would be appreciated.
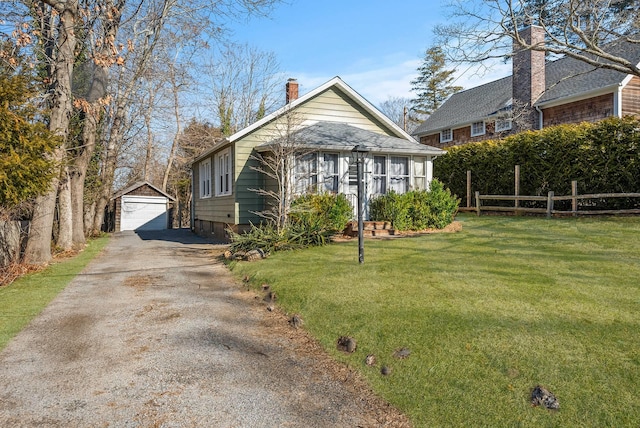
column 25, row 143
column 434, row 83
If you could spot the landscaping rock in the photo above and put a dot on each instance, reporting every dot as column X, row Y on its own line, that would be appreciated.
column 402, row 353
column 346, row 344
column 254, row 255
column 543, row 397
column 270, row 297
column 295, row 321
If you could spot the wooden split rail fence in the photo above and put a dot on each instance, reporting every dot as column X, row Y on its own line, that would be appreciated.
column 550, row 199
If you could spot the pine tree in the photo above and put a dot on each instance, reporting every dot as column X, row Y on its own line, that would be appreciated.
column 434, row 83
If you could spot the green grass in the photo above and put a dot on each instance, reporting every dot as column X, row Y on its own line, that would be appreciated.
column 26, row 297
column 488, row 313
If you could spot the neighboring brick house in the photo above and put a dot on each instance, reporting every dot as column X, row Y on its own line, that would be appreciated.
column 539, row 94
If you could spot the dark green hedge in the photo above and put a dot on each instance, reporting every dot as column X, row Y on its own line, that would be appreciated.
column 603, row 158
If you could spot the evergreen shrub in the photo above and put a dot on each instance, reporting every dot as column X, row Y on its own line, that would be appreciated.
column 417, row 209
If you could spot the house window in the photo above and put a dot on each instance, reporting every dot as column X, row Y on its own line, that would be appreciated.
column 223, row 173
column 330, row 171
column 503, row 125
column 477, row 128
column 306, row 173
column 419, row 174
column 205, row 178
column 399, row 174
column 446, row 135
column 379, row 175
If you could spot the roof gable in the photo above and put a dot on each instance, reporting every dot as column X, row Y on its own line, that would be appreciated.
column 141, row 184
column 343, row 87
column 336, row 84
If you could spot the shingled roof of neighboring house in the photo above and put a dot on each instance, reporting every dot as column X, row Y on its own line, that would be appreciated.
column 565, row 78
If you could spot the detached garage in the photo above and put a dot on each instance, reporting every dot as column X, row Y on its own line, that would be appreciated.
column 140, row 207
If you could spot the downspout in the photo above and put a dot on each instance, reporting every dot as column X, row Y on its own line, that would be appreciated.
column 617, row 102
column 540, row 118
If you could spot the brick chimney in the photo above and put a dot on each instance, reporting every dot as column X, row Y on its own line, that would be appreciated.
column 292, row 90
column 528, row 77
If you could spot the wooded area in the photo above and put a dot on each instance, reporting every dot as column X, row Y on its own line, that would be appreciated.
column 110, row 80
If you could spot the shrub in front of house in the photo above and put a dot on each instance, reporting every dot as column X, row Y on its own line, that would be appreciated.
column 417, row 209
column 313, row 219
column 326, row 211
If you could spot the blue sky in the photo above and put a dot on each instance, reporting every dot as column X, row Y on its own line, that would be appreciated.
column 375, row 46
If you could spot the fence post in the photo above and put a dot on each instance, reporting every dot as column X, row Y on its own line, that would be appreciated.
column 468, row 188
column 574, row 200
column 478, row 203
column 550, row 204
column 517, row 187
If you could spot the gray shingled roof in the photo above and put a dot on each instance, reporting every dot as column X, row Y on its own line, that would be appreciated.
column 565, row 77
column 341, row 136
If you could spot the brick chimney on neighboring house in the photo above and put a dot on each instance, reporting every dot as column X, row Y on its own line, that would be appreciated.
column 528, row 78
column 292, row 90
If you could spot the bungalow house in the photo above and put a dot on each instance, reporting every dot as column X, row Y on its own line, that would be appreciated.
column 538, row 94
column 325, row 125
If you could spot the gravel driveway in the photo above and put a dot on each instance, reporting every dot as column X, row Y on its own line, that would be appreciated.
column 156, row 333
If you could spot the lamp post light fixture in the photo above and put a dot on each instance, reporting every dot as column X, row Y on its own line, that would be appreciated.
column 359, row 152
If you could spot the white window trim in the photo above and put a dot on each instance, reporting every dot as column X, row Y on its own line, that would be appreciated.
column 477, row 134
column 406, row 178
column 223, row 167
column 415, row 175
column 323, row 174
column 442, row 137
column 385, row 175
column 205, row 178
column 299, row 177
column 507, row 127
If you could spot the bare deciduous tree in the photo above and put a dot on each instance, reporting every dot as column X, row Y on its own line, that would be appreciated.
column 397, row 109
column 278, row 165
column 584, row 30
column 244, row 85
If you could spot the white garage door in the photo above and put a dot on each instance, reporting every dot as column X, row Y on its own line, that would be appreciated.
column 143, row 213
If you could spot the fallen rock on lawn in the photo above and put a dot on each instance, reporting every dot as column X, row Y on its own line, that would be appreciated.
column 295, row 321
column 385, row 370
column 402, row 353
column 346, row 344
column 254, row 255
column 543, row 397
column 370, row 360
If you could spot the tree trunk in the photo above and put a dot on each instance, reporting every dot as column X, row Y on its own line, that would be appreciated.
column 89, row 214
column 79, row 172
column 109, row 165
column 176, row 138
column 38, row 249
column 65, row 220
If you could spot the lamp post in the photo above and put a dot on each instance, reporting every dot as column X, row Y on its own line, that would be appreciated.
column 360, row 151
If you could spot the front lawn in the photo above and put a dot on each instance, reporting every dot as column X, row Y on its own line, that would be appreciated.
column 488, row 313
column 27, row 296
